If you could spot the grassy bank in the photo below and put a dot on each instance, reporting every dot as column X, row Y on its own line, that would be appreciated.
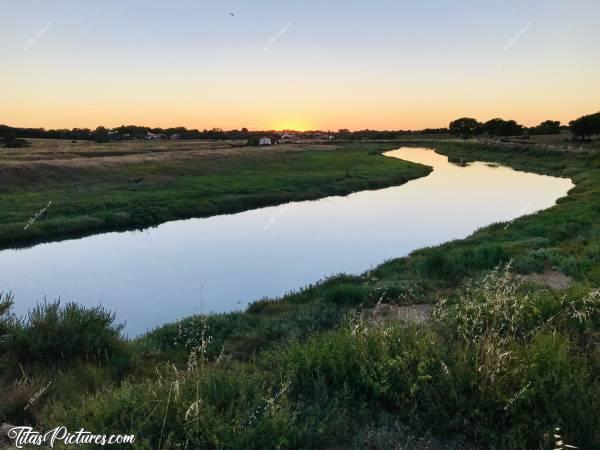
column 115, row 188
column 504, row 362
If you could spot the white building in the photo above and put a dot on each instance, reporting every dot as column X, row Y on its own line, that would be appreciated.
column 155, row 136
column 264, row 141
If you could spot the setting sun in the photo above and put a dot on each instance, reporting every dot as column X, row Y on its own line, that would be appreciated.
column 292, row 125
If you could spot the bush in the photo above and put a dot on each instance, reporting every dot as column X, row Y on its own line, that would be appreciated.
column 11, row 141
column 346, row 294
column 439, row 264
column 52, row 333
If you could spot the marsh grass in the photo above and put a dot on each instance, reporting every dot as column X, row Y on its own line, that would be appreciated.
column 495, row 351
column 149, row 192
column 489, row 316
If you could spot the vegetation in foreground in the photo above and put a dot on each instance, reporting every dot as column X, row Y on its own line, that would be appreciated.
column 91, row 192
column 503, row 363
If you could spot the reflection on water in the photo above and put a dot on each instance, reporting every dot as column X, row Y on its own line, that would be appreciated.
column 221, row 263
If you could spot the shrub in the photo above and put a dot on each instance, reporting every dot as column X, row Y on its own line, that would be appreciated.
column 346, row 294
column 52, row 333
column 10, row 141
column 440, row 264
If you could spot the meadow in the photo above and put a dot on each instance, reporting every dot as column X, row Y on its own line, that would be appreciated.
column 128, row 185
column 505, row 361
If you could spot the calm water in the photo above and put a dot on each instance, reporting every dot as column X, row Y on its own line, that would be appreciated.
column 222, row 263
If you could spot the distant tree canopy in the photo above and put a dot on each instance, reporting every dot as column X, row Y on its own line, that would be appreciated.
column 101, row 134
column 9, row 140
column 546, row 127
column 492, row 126
column 509, row 128
column 501, row 127
column 41, row 133
column 345, row 134
column 465, row 127
column 127, row 132
column 585, row 126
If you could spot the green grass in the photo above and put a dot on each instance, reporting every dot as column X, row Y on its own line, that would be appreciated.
column 143, row 194
column 502, row 366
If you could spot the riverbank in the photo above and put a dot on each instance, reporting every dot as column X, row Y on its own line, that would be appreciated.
column 297, row 243
column 312, row 371
column 123, row 186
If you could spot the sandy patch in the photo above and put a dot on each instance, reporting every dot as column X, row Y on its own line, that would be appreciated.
column 383, row 313
column 550, row 278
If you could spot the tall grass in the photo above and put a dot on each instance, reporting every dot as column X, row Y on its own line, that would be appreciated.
column 494, row 353
column 6, row 303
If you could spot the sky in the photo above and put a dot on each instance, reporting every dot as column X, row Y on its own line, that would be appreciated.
column 296, row 64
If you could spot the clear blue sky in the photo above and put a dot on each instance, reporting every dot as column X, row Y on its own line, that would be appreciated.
column 355, row 64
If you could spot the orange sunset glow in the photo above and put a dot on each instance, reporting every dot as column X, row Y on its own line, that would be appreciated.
column 261, row 69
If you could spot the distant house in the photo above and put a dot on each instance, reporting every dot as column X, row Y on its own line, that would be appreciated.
column 288, row 137
column 155, row 136
column 323, row 137
column 114, row 136
column 264, row 141
column 175, row 136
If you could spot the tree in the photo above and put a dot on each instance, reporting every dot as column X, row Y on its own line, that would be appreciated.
column 101, row 134
column 344, row 134
column 501, row 127
column 492, row 126
column 546, row 127
column 509, row 128
column 465, row 127
column 585, row 126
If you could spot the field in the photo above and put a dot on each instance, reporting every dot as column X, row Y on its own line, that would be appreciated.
column 509, row 359
column 57, row 189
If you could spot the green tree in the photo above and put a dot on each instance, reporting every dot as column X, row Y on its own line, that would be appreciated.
column 501, row 127
column 491, row 126
column 101, row 134
column 585, row 126
column 509, row 128
column 465, row 127
column 546, row 127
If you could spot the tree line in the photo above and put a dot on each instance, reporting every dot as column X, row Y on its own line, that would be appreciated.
column 128, row 132
column 582, row 128
column 123, row 132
